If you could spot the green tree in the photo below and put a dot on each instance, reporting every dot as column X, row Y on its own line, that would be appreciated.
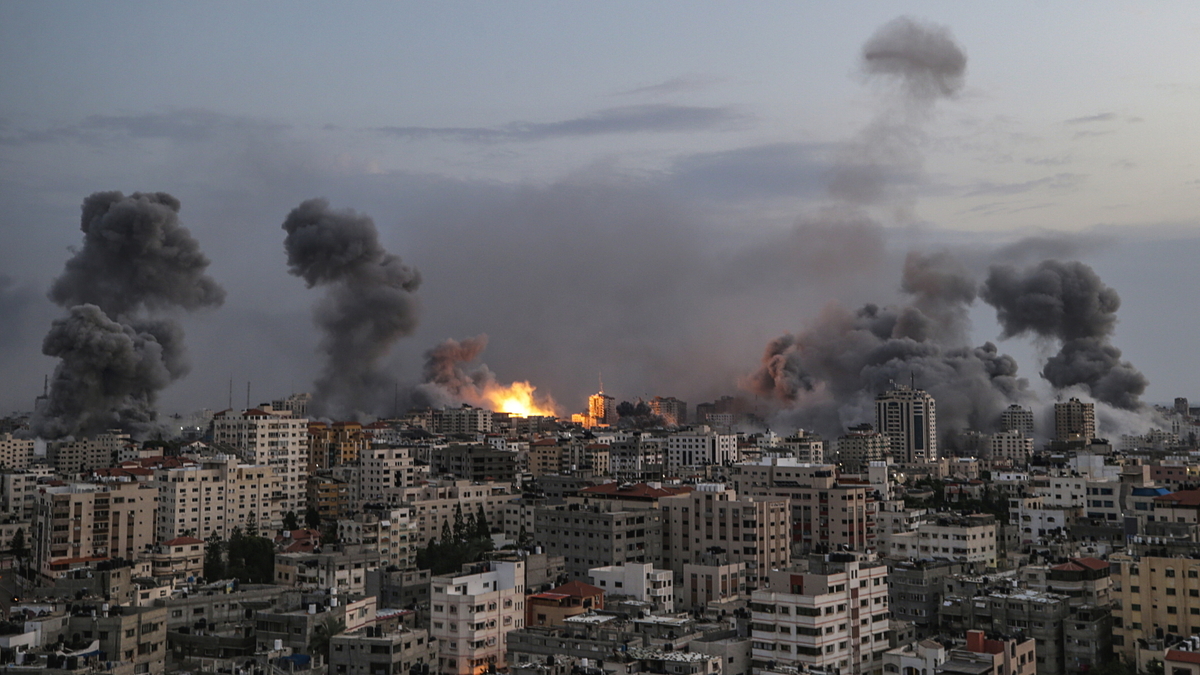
column 214, row 558
column 460, row 526
column 482, row 528
column 318, row 644
column 19, row 549
column 290, row 522
column 252, row 525
column 1154, row 667
column 312, row 518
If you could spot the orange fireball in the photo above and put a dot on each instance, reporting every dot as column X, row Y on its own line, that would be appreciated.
column 518, row 399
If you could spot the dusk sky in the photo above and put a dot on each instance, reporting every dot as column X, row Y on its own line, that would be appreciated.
column 647, row 191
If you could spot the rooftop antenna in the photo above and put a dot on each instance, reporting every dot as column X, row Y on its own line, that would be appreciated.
column 912, row 379
column 247, row 394
column 601, row 381
column 231, row 392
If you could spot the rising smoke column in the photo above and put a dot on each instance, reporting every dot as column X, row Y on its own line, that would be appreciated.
column 368, row 306
column 828, row 375
column 117, row 351
column 1067, row 301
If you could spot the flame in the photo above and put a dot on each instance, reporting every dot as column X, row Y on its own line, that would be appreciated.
column 517, row 399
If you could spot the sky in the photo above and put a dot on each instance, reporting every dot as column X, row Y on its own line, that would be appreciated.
column 640, row 192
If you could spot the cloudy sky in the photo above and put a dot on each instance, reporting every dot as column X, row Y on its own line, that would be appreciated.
column 647, row 191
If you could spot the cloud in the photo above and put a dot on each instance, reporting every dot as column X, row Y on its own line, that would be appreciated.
column 621, row 120
column 1061, row 181
column 185, row 125
column 1099, row 117
column 675, row 85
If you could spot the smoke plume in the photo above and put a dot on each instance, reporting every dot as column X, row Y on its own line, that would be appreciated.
column 116, row 351
column 828, row 375
column 369, row 304
column 1067, row 302
column 922, row 57
column 447, row 379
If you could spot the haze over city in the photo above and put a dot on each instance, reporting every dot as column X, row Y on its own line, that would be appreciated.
column 655, row 194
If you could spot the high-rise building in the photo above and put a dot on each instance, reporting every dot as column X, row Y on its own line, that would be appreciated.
column 85, row 454
column 275, row 438
column 909, row 419
column 1074, row 420
column 334, row 444
column 1016, row 418
column 672, row 410
column 1013, row 446
column 602, row 410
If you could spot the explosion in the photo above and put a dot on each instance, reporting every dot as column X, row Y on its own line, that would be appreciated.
column 517, row 399
column 449, row 381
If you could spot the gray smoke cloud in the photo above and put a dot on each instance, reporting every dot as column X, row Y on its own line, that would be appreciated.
column 923, row 57
column 117, row 352
column 919, row 64
column 369, row 304
column 448, row 381
column 827, row 376
column 1067, row 302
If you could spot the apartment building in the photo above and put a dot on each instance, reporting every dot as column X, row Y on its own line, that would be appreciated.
column 700, row 446
column 386, row 529
column 593, row 537
column 472, row 614
column 755, row 530
column 334, row 444
column 381, row 471
column 16, row 453
column 433, row 504
column 1013, row 447
column 964, row 539
column 79, row 522
column 376, row 649
column 860, row 446
column 834, row 616
column 267, row 437
column 829, row 512
column 1153, row 596
column 638, row 580
column 18, row 489
column 215, row 495
column 85, row 454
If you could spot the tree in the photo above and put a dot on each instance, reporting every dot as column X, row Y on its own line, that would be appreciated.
column 214, row 558
column 290, row 522
column 318, row 644
column 482, row 529
column 252, row 525
column 18, row 548
column 460, row 526
column 312, row 518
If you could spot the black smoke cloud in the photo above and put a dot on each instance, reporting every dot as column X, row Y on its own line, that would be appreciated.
column 922, row 57
column 116, row 350
column 827, row 376
column 1067, row 302
column 369, row 304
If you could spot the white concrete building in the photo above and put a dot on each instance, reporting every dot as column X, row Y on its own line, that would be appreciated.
column 834, row 616
column 275, row 438
column 908, row 417
column 472, row 614
column 700, row 446
column 639, row 580
column 1011, row 446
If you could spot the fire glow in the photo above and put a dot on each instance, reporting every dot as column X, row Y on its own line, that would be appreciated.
column 518, row 399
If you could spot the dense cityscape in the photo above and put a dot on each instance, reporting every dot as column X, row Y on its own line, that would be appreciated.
column 640, row 536
column 806, row 256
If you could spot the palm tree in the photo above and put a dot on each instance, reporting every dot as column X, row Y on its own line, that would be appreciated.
column 318, row 644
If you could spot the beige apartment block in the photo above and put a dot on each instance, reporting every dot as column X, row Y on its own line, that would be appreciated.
column 15, row 453
column 268, row 437
column 86, row 521
column 755, row 530
column 216, row 495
